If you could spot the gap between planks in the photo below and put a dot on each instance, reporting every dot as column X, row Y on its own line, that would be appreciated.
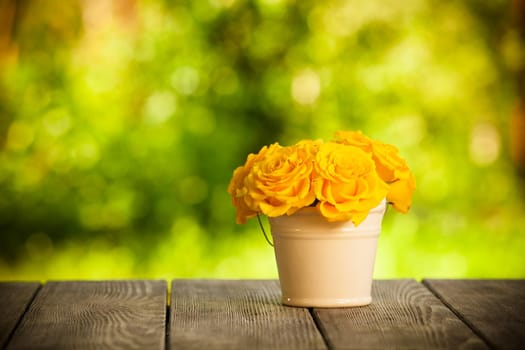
column 465, row 320
column 22, row 314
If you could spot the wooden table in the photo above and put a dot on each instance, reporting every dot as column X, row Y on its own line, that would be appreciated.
column 247, row 314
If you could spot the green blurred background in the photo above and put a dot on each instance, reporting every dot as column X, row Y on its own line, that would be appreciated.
column 121, row 123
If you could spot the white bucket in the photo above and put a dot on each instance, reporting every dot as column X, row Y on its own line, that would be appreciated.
column 325, row 264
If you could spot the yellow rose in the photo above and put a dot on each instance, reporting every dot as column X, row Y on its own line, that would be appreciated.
column 280, row 183
column 390, row 166
column 354, row 138
column 400, row 193
column 395, row 172
column 346, row 183
column 238, row 190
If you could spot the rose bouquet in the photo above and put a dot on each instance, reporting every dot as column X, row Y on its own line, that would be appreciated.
column 344, row 179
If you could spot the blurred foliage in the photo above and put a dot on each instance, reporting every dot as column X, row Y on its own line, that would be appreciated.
column 121, row 123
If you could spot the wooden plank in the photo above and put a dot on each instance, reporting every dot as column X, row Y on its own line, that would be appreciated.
column 403, row 314
column 218, row 314
column 90, row 314
column 14, row 300
column 495, row 309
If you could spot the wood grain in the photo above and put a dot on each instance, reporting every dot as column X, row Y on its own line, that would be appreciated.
column 218, row 314
column 14, row 300
column 495, row 309
column 403, row 315
column 95, row 315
